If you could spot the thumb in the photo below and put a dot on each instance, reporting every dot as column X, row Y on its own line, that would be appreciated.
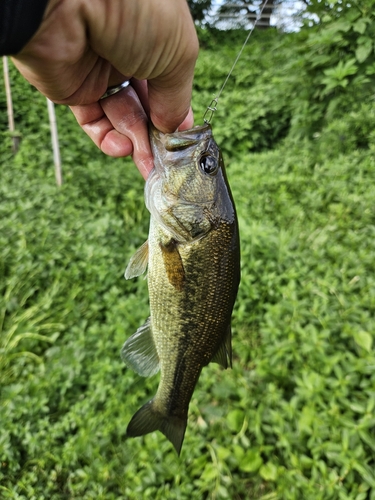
column 170, row 96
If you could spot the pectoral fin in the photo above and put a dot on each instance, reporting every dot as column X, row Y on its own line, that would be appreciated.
column 139, row 352
column 223, row 355
column 173, row 264
column 138, row 263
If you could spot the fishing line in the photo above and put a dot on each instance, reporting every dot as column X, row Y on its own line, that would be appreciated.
column 209, row 113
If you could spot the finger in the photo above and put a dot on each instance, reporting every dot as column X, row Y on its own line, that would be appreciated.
column 118, row 126
column 95, row 123
column 169, row 103
column 141, row 87
column 188, row 122
column 170, row 92
column 125, row 112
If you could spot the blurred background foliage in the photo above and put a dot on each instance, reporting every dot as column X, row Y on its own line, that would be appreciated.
column 294, row 419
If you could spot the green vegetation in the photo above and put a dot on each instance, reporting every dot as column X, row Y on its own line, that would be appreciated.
column 295, row 418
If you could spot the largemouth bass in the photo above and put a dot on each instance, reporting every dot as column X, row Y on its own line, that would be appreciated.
column 193, row 259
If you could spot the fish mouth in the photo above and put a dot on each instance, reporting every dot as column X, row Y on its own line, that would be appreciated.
column 180, row 140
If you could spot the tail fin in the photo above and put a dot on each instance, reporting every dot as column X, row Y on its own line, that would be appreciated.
column 148, row 419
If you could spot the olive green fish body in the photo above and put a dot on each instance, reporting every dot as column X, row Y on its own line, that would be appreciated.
column 193, row 276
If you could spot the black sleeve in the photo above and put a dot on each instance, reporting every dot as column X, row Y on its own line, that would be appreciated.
column 19, row 20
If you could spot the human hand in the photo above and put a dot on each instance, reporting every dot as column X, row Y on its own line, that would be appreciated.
column 84, row 46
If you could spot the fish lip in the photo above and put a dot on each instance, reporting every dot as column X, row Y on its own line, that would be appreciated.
column 179, row 140
column 198, row 128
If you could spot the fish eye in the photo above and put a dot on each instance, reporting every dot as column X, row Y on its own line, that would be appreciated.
column 208, row 163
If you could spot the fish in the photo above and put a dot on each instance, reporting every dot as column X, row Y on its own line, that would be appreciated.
column 192, row 257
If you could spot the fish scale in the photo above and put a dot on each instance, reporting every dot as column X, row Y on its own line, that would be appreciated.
column 201, row 312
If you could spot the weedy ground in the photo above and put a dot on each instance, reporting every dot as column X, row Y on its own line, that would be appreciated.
column 294, row 419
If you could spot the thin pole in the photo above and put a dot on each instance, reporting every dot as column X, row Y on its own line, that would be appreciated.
column 8, row 94
column 55, row 142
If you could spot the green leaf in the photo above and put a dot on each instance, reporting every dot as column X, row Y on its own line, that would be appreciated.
column 367, row 438
column 251, row 461
column 342, row 25
column 342, row 69
column 210, row 472
column 268, row 471
column 364, row 49
column 235, row 420
column 361, row 24
column 366, row 473
column 364, row 340
column 223, row 453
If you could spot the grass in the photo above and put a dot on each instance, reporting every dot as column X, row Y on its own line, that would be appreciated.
column 293, row 419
